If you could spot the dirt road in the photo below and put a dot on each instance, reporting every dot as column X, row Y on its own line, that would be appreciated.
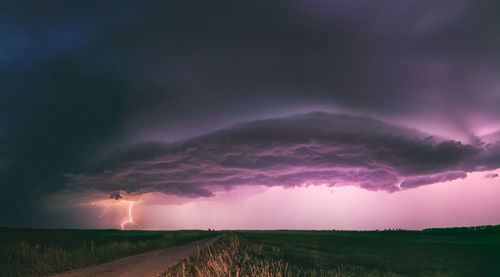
column 143, row 265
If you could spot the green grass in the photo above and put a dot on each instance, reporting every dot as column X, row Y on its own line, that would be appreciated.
column 432, row 252
column 35, row 252
column 235, row 256
column 446, row 252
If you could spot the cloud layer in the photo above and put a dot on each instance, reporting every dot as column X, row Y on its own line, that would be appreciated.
column 82, row 78
column 306, row 149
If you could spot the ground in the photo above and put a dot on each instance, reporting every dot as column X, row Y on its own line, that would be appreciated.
column 473, row 251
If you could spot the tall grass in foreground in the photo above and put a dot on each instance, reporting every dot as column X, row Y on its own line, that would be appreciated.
column 234, row 256
column 25, row 259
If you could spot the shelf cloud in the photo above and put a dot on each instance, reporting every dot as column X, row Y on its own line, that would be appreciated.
column 306, row 149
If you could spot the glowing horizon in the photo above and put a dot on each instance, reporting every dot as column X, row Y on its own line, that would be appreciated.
column 447, row 204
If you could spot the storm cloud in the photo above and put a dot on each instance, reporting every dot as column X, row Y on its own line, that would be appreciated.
column 82, row 80
column 306, row 149
column 491, row 176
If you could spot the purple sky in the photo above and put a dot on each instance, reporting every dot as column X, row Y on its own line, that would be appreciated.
column 463, row 202
column 211, row 113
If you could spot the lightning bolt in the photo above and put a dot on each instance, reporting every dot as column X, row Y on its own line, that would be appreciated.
column 130, row 219
column 103, row 212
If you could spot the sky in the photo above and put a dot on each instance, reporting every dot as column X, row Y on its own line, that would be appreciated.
column 298, row 114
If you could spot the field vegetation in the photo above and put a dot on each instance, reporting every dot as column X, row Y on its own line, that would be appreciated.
column 471, row 251
column 235, row 256
column 38, row 252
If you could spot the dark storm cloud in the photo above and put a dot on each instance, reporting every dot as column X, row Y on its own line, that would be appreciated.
column 115, row 195
column 413, row 182
column 81, row 78
column 307, row 149
column 491, row 176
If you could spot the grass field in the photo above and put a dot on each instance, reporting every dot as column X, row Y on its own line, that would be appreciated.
column 431, row 252
column 36, row 252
